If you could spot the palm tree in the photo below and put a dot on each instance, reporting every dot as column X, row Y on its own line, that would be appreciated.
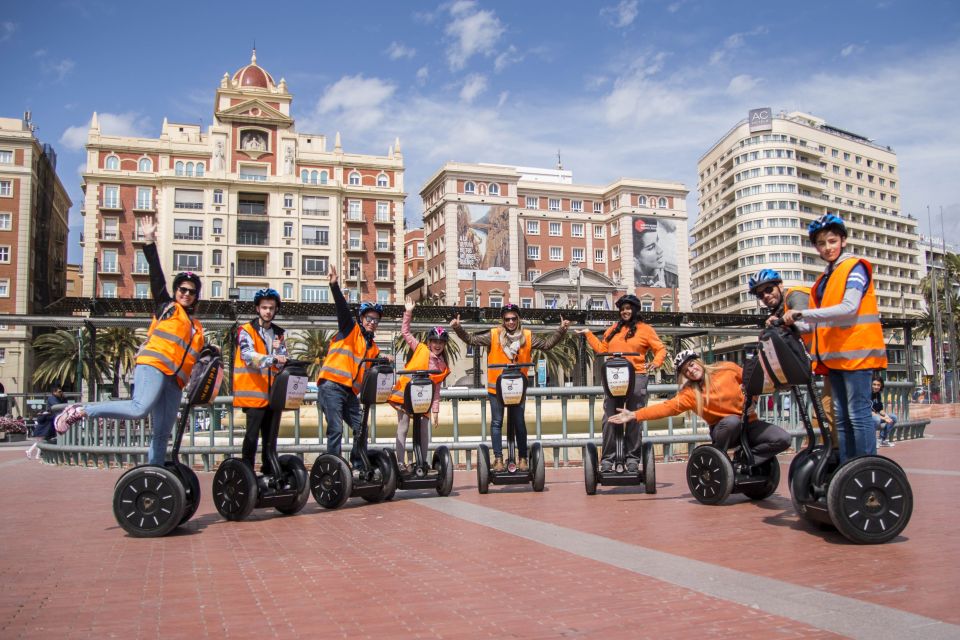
column 950, row 275
column 562, row 357
column 57, row 353
column 119, row 345
column 310, row 346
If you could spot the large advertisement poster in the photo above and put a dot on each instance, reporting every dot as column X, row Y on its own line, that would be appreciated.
column 483, row 241
column 655, row 252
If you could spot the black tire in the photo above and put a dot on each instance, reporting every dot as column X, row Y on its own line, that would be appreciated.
column 191, row 490
column 235, row 489
column 392, row 457
column 799, row 486
column 590, row 468
column 149, row 501
column 483, row 469
column 538, row 467
column 388, row 475
column 649, row 468
column 763, row 491
column 331, row 481
column 443, row 463
column 870, row 500
column 292, row 466
column 709, row 475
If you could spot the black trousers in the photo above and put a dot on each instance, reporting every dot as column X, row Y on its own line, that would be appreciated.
column 632, row 431
column 764, row 439
column 260, row 422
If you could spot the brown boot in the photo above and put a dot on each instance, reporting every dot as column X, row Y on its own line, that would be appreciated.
column 498, row 464
column 523, row 466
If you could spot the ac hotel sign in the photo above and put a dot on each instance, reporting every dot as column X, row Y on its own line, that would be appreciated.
column 760, row 119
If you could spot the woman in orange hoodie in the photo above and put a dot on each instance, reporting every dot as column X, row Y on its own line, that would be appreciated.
column 627, row 335
column 714, row 392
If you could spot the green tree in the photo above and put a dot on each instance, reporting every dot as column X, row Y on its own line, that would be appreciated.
column 56, row 356
column 119, row 345
column 947, row 279
column 562, row 357
column 311, row 346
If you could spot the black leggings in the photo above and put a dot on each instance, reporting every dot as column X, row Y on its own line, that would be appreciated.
column 765, row 440
column 259, row 421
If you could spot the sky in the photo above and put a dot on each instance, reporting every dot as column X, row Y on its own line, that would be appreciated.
column 635, row 88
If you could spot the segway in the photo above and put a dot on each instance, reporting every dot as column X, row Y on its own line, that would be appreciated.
column 417, row 400
column 712, row 476
column 150, row 501
column 511, row 389
column 331, row 480
column 618, row 382
column 237, row 490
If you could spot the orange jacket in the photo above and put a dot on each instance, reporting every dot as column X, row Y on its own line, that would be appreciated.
column 173, row 343
column 420, row 360
column 723, row 398
column 342, row 364
column 642, row 341
column 251, row 385
column 852, row 347
column 497, row 356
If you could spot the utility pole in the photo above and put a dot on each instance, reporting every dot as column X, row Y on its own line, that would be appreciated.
column 951, row 325
column 938, row 362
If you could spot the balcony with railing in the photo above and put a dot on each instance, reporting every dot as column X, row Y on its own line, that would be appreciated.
column 110, row 204
column 141, row 269
column 110, row 268
column 384, row 276
column 252, row 208
column 383, row 247
column 251, row 238
column 252, row 177
column 188, row 235
column 320, row 241
column 312, row 211
column 144, row 205
column 355, row 216
column 355, row 246
column 383, row 218
column 254, row 268
column 109, row 236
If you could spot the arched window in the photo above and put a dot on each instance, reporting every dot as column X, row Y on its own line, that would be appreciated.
column 382, row 180
column 112, row 163
column 642, row 201
column 313, row 177
column 354, row 178
column 469, row 187
column 662, row 203
column 304, row 176
column 494, row 189
column 200, row 169
column 145, row 164
column 178, row 168
column 189, row 168
column 323, row 177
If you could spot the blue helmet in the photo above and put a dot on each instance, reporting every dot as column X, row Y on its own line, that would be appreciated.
column 764, row 276
column 266, row 294
column 370, row 306
column 826, row 222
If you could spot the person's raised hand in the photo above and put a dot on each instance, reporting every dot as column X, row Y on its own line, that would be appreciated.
column 455, row 323
column 564, row 324
column 408, row 303
column 582, row 332
column 149, row 229
column 623, row 416
column 332, row 274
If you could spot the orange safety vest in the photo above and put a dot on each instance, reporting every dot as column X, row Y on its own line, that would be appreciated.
column 798, row 299
column 420, row 360
column 855, row 346
column 170, row 347
column 342, row 364
column 497, row 356
column 251, row 385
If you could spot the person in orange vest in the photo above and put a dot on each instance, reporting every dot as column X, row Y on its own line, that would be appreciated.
column 424, row 356
column 628, row 334
column 342, row 372
column 261, row 346
column 509, row 342
column 715, row 393
column 164, row 362
column 848, row 344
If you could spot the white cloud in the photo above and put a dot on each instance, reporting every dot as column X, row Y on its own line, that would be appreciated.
column 471, row 32
column 621, row 15
column 398, row 50
column 58, row 68
column 422, row 74
column 129, row 124
column 673, row 7
column 742, row 84
column 473, row 86
column 7, row 29
column 732, row 43
column 850, row 50
column 359, row 99
column 502, row 100
column 506, row 58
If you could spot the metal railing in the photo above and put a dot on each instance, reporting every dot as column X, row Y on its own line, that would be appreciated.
column 213, row 434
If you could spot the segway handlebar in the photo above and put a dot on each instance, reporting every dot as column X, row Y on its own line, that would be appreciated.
column 777, row 322
column 408, row 372
column 517, row 365
column 377, row 360
column 616, row 354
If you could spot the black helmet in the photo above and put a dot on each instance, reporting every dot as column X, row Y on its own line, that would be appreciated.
column 629, row 299
column 266, row 294
column 187, row 276
column 509, row 307
column 438, row 333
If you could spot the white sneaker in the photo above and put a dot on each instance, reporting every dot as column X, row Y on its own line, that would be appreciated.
column 890, row 444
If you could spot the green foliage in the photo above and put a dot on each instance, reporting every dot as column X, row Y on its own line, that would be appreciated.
column 310, row 346
column 56, row 356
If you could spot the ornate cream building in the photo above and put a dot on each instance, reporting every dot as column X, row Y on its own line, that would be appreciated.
column 248, row 203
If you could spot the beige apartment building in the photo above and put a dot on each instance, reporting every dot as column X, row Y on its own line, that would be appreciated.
column 248, row 203
column 766, row 179
column 497, row 234
column 34, row 209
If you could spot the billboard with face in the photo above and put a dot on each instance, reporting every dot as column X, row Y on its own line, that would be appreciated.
column 483, row 241
column 655, row 252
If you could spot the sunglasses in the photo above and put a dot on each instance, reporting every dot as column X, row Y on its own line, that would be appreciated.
column 187, row 291
column 511, row 319
column 765, row 291
column 371, row 319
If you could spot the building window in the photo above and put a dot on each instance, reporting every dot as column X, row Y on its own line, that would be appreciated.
column 353, row 240
column 141, row 290
column 315, row 205
column 5, row 254
column 576, row 229
column 108, row 289
column 5, row 288
column 598, row 231
column 354, row 179
column 217, row 258
column 315, row 266
column 288, row 260
column 140, row 264
column 555, row 229
column 553, row 204
column 556, row 254
column 646, row 305
column 304, row 176
column 218, row 226
column 6, row 221
column 496, row 301
column 383, row 240
column 533, row 274
column 599, row 256
column 383, row 211
column 216, row 289
column 318, row 236
column 178, row 168
column 187, row 261
column 314, row 294
column 6, row 188
column 288, row 201
column 188, row 230
column 323, row 177
column 662, row 203
column 382, row 180
column 598, row 207
column 200, row 169
column 287, row 229
column 533, row 227
column 353, row 210
column 218, row 196
column 6, row 157
column 533, row 252
column 419, row 249
column 383, row 269
column 145, row 165
column 576, row 206
column 469, row 187
column 112, row 163
column 532, row 202
column 145, row 198
column 576, row 254
column 493, row 189
column 111, row 197
column 287, row 290
column 642, row 201
column 666, row 306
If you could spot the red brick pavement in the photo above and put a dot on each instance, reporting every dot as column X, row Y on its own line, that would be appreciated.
column 400, row 570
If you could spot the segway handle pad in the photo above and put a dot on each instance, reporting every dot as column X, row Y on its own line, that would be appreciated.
column 289, row 386
column 418, row 396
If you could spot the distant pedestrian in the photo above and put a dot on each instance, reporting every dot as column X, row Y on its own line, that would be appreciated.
column 44, row 431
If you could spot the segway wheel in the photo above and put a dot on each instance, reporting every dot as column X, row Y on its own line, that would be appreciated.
column 234, row 489
column 149, row 501
column 539, row 468
column 770, row 468
column 590, row 468
column 709, row 475
column 649, row 468
column 388, row 476
column 443, row 463
column 392, row 458
column 483, row 469
column 331, row 481
column 292, row 467
column 798, row 477
column 870, row 500
column 191, row 489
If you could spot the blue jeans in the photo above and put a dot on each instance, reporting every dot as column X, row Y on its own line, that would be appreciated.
column 885, row 427
column 154, row 393
column 515, row 414
column 852, row 413
column 339, row 403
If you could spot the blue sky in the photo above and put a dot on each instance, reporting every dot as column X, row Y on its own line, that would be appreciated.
column 632, row 88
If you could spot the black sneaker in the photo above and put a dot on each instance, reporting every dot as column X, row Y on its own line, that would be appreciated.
column 633, row 467
column 606, row 466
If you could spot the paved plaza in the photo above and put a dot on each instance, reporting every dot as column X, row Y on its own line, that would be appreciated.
column 510, row 564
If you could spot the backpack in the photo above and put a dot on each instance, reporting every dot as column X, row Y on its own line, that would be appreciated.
column 781, row 361
column 205, row 379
